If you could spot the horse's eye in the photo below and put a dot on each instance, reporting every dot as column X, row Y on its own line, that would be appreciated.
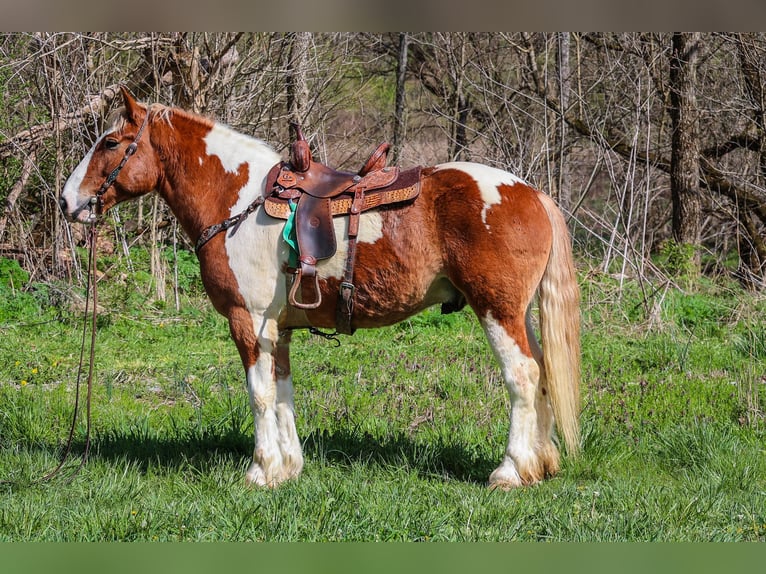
column 111, row 143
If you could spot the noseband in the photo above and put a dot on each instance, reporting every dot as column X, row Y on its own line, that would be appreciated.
column 98, row 199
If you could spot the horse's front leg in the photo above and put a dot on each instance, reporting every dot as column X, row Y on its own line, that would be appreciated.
column 289, row 444
column 276, row 453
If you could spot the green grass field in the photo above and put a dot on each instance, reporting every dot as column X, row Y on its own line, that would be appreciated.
column 401, row 426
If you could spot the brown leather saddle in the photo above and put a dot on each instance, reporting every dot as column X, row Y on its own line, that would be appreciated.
column 317, row 193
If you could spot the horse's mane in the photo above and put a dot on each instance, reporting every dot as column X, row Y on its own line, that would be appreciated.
column 116, row 120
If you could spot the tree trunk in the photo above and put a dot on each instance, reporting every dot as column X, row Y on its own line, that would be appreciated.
column 684, row 158
column 463, row 109
column 751, row 242
column 460, row 103
column 399, row 112
column 564, row 80
column 15, row 191
column 297, row 78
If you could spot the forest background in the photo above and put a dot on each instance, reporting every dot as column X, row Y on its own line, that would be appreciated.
column 653, row 143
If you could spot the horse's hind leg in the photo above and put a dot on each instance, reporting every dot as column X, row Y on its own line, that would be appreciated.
column 546, row 448
column 522, row 463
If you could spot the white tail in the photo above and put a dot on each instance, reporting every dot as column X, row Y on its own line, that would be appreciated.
column 559, row 299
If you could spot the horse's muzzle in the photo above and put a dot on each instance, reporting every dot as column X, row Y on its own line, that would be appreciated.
column 82, row 214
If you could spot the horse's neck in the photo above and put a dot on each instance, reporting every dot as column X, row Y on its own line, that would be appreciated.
column 213, row 173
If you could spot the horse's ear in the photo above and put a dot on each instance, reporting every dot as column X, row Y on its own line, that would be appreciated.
column 132, row 109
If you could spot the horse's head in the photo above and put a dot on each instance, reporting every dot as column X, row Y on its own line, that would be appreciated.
column 123, row 153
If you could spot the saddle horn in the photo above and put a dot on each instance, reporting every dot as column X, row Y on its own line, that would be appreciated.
column 300, row 153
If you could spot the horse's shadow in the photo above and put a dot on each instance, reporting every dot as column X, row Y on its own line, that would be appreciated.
column 431, row 460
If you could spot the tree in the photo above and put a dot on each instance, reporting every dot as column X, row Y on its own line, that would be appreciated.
column 752, row 245
column 647, row 139
column 684, row 151
column 399, row 110
column 564, row 80
column 297, row 85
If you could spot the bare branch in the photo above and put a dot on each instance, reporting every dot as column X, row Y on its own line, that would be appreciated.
column 27, row 140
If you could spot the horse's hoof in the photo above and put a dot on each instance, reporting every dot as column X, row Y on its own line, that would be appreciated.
column 504, row 485
column 505, row 477
column 255, row 477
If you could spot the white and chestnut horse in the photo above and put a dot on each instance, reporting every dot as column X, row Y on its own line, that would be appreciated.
column 475, row 234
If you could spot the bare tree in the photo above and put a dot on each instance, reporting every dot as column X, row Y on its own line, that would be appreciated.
column 297, row 83
column 399, row 110
column 684, row 151
column 752, row 245
column 564, row 79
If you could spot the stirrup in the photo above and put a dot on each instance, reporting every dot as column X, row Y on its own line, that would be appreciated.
column 297, row 282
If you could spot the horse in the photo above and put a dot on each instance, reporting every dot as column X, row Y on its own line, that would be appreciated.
column 475, row 235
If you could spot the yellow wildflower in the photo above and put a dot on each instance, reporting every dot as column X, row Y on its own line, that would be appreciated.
column 24, row 383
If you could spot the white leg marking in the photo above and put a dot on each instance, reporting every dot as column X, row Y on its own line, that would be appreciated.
column 277, row 455
column 266, row 468
column 520, row 373
column 547, row 450
column 289, row 444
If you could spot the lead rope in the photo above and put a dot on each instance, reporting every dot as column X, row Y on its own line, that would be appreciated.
column 97, row 203
column 90, row 286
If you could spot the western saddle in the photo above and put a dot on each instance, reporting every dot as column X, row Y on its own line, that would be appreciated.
column 309, row 194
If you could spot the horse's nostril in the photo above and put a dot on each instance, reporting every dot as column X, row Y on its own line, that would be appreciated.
column 62, row 204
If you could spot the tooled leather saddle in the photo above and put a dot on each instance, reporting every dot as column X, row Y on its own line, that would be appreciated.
column 312, row 194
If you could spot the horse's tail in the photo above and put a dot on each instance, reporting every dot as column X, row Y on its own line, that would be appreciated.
column 559, row 300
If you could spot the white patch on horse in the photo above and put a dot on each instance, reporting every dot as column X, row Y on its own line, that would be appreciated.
column 488, row 179
column 261, row 282
column 258, row 276
column 71, row 191
column 266, row 467
column 370, row 230
column 233, row 148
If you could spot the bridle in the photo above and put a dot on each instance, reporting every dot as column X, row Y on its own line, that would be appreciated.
column 96, row 201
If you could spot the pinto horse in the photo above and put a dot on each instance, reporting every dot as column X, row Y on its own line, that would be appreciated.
column 475, row 235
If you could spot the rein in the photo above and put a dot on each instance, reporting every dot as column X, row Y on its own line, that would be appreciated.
column 98, row 202
column 89, row 287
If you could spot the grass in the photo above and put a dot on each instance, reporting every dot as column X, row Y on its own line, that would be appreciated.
column 401, row 428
